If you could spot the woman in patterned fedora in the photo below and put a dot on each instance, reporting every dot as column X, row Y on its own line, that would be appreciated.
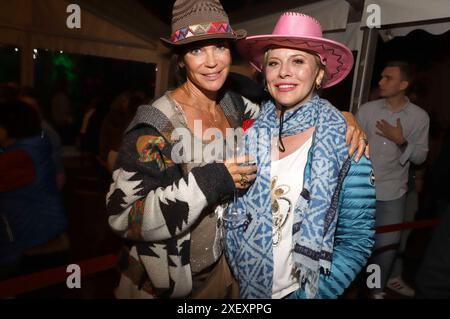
column 166, row 209
column 305, row 227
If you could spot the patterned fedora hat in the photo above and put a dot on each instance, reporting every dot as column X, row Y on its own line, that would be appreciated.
column 196, row 20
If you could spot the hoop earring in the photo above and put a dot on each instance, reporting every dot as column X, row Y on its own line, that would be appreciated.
column 318, row 86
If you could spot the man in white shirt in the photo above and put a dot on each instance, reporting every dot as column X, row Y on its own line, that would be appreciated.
column 397, row 131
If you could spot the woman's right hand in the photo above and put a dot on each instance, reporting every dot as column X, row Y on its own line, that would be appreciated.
column 243, row 175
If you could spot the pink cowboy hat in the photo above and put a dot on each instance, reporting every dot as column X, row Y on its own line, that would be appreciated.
column 302, row 32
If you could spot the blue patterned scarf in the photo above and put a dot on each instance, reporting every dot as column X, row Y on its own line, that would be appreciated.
column 249, row 249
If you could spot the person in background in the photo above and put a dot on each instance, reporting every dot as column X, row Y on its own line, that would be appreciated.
column 8, row 91
column 120, row 114
column 33, row 222
column 27, row 96
column 62, row 113
column 397, row 131
column 89, row 134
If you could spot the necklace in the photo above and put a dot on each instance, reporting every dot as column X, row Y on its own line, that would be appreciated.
column 215, row 121
column 214, row 125
column 203, row 114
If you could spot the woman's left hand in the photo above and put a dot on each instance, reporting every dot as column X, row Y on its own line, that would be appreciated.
column 355, row 137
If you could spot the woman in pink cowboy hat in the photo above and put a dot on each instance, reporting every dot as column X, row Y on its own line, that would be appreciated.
column 305, row 227
column 166, row 208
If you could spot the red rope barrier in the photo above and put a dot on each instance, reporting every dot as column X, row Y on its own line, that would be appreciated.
column 50, row 277
column 410, row 225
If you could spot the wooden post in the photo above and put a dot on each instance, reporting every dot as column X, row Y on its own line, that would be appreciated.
column 364, row 69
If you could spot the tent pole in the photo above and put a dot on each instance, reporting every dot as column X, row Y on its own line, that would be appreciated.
column 364, row 65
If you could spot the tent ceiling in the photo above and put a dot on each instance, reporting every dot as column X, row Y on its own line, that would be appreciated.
column 398, row 12
column 150, row 19
column 129, row 15
column 332, row 15
column 238, row 11
column 42, row 24
column 433, row 28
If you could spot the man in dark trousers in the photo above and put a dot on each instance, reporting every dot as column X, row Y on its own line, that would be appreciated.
column 397, row 131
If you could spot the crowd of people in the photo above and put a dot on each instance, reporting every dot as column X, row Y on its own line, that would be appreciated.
column 34, row 222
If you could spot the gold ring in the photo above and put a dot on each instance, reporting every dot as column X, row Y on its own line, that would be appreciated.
column 244, row 180
column 366, row 141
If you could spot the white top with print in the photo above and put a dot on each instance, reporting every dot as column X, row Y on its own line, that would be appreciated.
column 286, row 185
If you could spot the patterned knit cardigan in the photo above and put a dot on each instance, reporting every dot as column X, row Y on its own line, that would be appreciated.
column 153, row 202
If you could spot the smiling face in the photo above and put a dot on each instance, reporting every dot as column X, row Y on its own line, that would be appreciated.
column 207, row 65
column 291, row 75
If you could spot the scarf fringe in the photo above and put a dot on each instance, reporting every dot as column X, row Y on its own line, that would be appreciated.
column 309, row 278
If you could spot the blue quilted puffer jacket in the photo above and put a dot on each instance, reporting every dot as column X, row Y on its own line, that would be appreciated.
column 355, row 232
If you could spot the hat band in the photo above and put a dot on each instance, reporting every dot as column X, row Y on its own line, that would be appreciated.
column 201, row 29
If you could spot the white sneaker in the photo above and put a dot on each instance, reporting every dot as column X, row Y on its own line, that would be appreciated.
column 378, row 295
column 399, row 286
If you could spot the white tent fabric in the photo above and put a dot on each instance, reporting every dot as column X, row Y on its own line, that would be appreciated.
column 401, row 11
column 332, row 15
column 351, row 37
column 45, row 23
column 435, row 28
column 41, row 24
